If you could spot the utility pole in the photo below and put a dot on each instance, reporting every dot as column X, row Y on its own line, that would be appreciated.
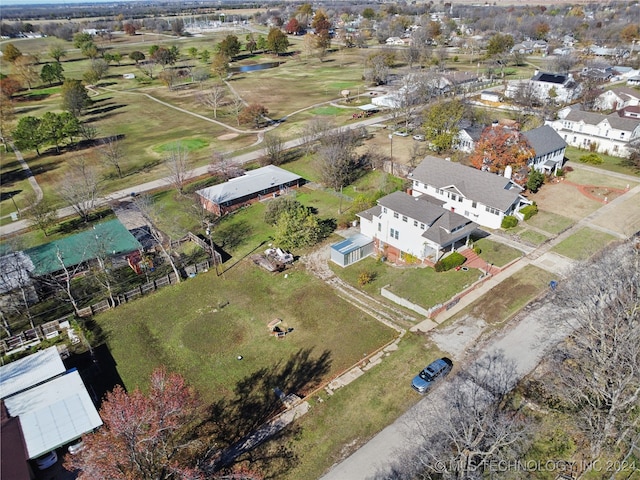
column 391, row 138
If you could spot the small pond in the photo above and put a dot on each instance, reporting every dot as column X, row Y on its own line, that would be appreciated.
column 253, row 68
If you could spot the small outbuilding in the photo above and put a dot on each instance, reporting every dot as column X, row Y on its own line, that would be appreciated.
column 351, row 250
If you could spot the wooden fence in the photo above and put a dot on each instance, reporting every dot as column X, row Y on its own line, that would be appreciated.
column 34, row 336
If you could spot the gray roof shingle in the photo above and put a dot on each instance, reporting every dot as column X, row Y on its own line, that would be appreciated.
column 252, row 182
column 484, row 187
column 544, row 140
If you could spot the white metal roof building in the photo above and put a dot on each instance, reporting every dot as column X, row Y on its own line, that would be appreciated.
column 29, row 371
column 54, row 413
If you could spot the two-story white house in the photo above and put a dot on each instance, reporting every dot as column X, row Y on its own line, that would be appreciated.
column 611, row 134
column 405, row 228
column 617, row 98
column 482, row 197
column 565, row 89
column 548, row 147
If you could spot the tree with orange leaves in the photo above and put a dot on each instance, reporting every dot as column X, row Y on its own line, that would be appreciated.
column 500, row 147
column 153, row 436
column 143, row 436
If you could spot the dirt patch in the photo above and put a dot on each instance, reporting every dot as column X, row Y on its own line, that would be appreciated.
column 564, row 199
column 227, row 136
column 458, row 337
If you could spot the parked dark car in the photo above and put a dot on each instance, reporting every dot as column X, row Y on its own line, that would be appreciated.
column 431, row 374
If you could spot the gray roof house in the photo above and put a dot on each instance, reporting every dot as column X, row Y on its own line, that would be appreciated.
column 611, row 134
column 482, row 197
column 549, row 148
column 406, row 229
column 253, row 186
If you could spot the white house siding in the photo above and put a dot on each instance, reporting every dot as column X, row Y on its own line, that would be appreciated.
column 606, row 139
column 473, row 210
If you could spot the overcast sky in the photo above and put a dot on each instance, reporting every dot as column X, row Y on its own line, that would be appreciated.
column 57, row 2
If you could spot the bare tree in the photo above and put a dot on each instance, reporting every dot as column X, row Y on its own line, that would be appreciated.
column 336, row 160
column 102, row 271
column 61, row 280
column 472, row 428
column 16, row 285
column 149, row 211
column 597, row 366
column 313, row 130
column 178, row 163
column 112, row 152
column 274, row 149
column 561, row 63
column 224, row 167
column 213, row 98
column 237, row 105
column 81, row 187
column 417, row 152
column 40, row 212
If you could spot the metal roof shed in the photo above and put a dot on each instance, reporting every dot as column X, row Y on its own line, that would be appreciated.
column 351, row 250
column 54, row 413
column 29, row 371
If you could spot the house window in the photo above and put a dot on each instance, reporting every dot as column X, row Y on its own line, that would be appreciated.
column 460, row 198
column 395, row 233
column 422, row 226
column 415, row 183
column 474, row 204
column 621, row 135
column 415, row 223
column 384, row 209
column 404, row 218
column 453, row 197
column 379, row 227
column 392, row 232
column 495, row 211
column 395, row 215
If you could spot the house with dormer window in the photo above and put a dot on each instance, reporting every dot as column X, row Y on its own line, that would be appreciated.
column 405, row 227
column 482, row 197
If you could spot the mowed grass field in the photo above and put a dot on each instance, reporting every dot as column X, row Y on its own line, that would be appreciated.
column 201, row 326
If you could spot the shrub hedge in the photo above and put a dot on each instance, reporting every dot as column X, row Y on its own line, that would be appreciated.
column 529, row 211
column 450, row 261
column 509, row 222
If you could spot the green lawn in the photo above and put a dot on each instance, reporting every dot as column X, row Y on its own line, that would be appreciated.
column 508, row 297
column 420, row 285
column 613, row 164
column 583, row 244
column 189, row 329
column 533, row 237
column 496, row 253
column 550, row 222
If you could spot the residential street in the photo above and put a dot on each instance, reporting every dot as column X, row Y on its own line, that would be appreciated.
column 524, row 341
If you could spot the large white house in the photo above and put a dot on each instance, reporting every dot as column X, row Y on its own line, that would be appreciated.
column 548, row 146
column 565, row 89
column 405, row 228
column 482, row 197
column 611, row 134
column 617, row 98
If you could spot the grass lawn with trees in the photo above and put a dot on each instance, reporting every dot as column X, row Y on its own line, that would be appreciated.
column 198, row 328
column 613, row 164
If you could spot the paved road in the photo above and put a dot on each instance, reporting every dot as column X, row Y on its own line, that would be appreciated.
column 242, row 159
column 525, row 341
